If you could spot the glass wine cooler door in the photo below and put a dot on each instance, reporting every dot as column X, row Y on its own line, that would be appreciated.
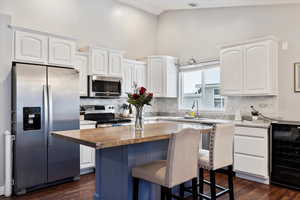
column 285, row 162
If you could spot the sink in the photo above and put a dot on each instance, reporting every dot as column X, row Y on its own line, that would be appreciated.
column 195, row 118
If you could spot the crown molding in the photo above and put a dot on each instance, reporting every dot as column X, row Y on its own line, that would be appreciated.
column 156, row 8
column 143, row 6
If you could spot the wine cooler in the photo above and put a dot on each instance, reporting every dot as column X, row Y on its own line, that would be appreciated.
column 285, row 155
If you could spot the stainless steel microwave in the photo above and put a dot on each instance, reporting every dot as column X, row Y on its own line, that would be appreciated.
column 105, row 87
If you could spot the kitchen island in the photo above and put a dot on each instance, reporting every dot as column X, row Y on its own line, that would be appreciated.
column 119, row 149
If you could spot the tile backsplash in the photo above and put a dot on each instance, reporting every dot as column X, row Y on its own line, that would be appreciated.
column 169, row 106
column 267, row 105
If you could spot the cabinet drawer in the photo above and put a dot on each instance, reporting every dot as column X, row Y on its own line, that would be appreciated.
column 250, row 145
column 252, row 132
column 251, row 164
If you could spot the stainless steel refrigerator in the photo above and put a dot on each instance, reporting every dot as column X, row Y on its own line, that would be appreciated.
column 44, row 99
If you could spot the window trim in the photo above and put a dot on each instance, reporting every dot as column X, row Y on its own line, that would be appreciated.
column 189, row 68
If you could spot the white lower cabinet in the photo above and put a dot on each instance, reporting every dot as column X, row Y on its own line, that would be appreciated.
column 87, row 155
column 251, row 157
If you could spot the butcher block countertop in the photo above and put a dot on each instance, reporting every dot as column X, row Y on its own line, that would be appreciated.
column 101, row 138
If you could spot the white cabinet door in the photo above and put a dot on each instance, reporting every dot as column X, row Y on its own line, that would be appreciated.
column 81, row 63
column 140, row 75
column 61, row 52
column 99, row 61
column 87, row 154
column 257, row 62
column 254, row 165
column 232, row 71
column 171, row 82
column 31, row 47
column 128, row 77
column 87, row 157
column 115, row 64
column 156, row 75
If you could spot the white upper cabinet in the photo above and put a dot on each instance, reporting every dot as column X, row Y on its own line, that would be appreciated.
column 106, row 62
column 231, row 76
column 81, row 64
column 156, row 76
column 140, row 74
column 257, row 68
column 128, row 76
column 115, row 63
column 133, row 72
column 162, row 76
column 99, row 61
column 43, row 48
column 30, row 47
column 250, row 68
column 61, row 51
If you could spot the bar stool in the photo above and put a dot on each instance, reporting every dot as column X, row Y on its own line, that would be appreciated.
column 181, row 165
column 219, row 156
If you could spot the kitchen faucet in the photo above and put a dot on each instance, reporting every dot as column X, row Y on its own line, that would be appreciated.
column 196, row 103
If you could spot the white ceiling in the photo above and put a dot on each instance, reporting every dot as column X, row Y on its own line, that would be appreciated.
column 159, row 6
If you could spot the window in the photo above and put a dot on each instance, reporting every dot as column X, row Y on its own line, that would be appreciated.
column 202, row 85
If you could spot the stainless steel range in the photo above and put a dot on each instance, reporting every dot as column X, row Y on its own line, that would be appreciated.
column 104, row 115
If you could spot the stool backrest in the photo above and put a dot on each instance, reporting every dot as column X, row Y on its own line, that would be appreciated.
column 221, row 146
column 182, row 161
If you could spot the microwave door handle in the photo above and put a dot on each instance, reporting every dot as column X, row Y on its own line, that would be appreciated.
column 50, row 99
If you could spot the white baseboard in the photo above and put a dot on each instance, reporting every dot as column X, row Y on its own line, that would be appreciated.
column 253, row 178
column 1, row 190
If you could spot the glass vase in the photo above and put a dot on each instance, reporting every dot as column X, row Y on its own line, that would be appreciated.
column 139, row 119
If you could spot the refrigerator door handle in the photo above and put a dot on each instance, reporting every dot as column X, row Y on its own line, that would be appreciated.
column 50, row 115
column 46, row 110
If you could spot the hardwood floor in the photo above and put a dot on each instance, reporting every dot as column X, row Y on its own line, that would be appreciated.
column 84, row 190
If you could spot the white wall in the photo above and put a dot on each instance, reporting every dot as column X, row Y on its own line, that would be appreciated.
column 198, row 33
column 103, row 22
column 5, row 85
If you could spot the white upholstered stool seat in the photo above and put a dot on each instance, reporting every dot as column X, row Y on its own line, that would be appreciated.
column 154, row 172
column 181, row 165
column 219, row 156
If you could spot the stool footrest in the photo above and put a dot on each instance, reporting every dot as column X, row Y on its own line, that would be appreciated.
column 224, row 190
column 217, row 186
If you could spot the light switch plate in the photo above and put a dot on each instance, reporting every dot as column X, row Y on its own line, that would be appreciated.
column 285, row 45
